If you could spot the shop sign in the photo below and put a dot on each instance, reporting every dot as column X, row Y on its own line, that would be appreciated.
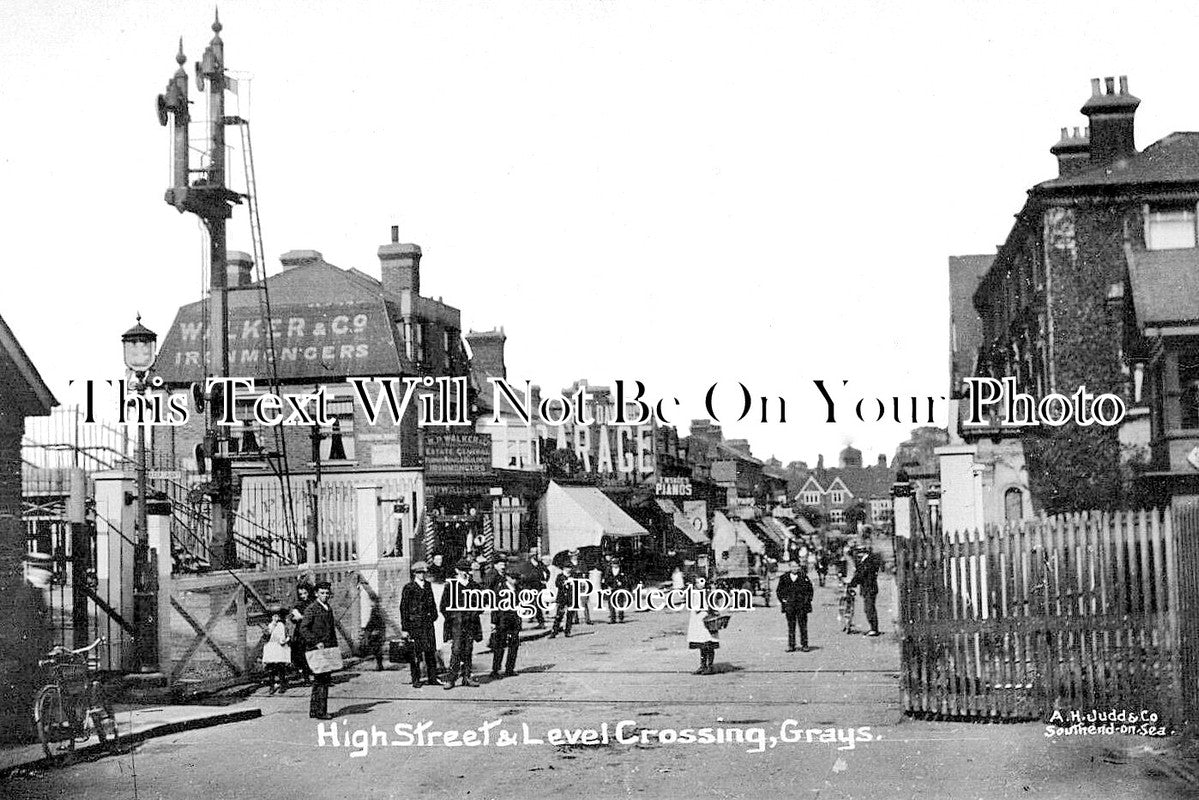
column 457, row 453
column 673, row 487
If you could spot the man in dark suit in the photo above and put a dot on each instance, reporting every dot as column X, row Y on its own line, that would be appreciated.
column 794, row 593
column 613, row 580
column 318, row 630
column 462, row 627
column 505, row 626
column 418, row 612
column 865, row 577
column 567, row 601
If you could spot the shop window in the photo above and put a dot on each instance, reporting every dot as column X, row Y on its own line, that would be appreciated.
column 338, row 441
column 246, row 438
column 1170, row 228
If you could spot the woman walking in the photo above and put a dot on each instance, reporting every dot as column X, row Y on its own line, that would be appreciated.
column 703, row 634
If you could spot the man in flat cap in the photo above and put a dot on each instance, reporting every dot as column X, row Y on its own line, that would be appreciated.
column 418, row 612
column 318, row 630
column 462, row 626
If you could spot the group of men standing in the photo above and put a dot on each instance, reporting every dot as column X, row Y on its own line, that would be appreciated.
column 419, row 611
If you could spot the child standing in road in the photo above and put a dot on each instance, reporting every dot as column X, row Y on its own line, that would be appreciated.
column 276, row 655
column 702, row 634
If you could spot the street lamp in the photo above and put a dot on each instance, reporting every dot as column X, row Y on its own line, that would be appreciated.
column 139, row 343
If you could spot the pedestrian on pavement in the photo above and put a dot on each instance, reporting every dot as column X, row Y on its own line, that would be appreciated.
column 317, row 631
column 538, row 578
column 462, row 627
column 304, row 595
column 795, row 596
column 505, row 628
column 614, row 579
column 865, row 577
column 418, row 612
column 566, row 599
column 584, row 597
column 276, row 654
column 373, row 633
column 700, row 636
column 822, row 561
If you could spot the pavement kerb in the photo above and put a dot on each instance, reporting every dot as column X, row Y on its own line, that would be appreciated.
column 141, row 732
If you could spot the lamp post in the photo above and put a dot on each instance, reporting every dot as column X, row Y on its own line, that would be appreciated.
column 139, row 343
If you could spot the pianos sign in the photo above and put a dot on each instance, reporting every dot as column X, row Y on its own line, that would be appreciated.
column 673, row 487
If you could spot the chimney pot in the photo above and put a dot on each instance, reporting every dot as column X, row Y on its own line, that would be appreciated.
column 1064, row 132
column 1111, row 85
column 395, row 234
column 1076, row 136
column 1095, row 87
column 1123, row 84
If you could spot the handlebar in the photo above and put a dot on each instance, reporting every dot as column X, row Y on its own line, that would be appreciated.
column 59, row 651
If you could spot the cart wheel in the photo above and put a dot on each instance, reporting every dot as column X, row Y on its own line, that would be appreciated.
column 55, row 731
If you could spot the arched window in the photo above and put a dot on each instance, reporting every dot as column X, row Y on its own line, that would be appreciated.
column 1013, row 505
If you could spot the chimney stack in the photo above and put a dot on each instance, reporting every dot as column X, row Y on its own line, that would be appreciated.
column 300, row 258
column 487, row 356
column 240, row 268
column 1111, row 114
column 1073, row 152
column 400, row 265
column 882, row 460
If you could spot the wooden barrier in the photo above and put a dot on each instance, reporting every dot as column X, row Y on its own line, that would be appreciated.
column 1078, row 612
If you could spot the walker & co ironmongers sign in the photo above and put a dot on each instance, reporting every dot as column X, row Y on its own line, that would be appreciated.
column 457, row 453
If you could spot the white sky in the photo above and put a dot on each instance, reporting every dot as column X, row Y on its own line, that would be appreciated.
column 762, row 192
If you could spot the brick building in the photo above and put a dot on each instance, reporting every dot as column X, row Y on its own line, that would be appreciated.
column 23, row 394
column 1056, row 305
column 834, row 490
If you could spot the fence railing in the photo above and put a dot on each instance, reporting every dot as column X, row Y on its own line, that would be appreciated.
column 1076, row 612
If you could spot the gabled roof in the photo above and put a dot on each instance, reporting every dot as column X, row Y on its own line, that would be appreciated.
column 832, row 487
column 812, row 480
column 1172, row 160
column 28, row 392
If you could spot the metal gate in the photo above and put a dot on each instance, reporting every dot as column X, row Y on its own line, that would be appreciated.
column 54, row 508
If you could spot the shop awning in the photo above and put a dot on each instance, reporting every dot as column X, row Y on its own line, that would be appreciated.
column 779, row 531
column 581, row 516
column 766, row 533
column 747, row 536
column 680, row 522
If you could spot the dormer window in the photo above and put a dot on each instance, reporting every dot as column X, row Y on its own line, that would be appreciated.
column 1170, row 227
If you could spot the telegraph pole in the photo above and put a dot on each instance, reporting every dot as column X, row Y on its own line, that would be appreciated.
column 208, row 198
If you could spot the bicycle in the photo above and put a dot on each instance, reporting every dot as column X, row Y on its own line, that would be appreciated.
column 71, row 706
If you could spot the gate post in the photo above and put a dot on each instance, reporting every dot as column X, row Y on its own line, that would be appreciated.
column 158, row 527
column 115, row 555
column 367, row 523
column 81, row 557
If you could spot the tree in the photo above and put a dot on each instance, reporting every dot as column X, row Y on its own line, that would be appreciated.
column 813, row 515
column 856, row 515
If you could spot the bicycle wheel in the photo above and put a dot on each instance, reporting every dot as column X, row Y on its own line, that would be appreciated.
column 55, row 731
